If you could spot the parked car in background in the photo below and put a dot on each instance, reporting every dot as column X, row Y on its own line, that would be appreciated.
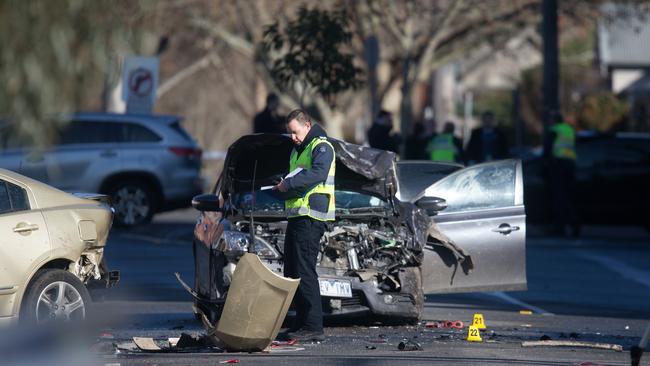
column 612, row 178
column 384, row 251
column 146, row 163
column 51, row 248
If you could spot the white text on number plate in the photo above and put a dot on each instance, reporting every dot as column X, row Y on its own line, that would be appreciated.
column 335, row 288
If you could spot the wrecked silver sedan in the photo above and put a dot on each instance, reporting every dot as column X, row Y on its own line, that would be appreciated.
column 384, row 251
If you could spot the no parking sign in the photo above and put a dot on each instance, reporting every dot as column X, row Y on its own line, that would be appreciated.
column 139, row 83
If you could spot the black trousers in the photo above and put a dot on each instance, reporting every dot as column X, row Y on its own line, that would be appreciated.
column 301, row 246
column 563, row 188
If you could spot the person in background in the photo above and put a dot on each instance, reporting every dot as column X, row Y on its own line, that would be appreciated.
column 268, row 120
column 379, row 134
column 416, row 143
column 487, row 142
column 445, row 146
column 560, row 152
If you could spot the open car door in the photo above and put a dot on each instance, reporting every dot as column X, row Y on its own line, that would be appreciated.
column 485, row 216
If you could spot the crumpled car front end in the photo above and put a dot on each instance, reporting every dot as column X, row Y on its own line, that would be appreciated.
column 370, row 257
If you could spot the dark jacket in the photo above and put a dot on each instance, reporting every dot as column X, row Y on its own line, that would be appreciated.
column 321, row 159
column 379, row 137
column 478, row 152
column 267, row 122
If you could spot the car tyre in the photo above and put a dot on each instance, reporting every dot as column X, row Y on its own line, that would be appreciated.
column 133, row 202
column 55, row 295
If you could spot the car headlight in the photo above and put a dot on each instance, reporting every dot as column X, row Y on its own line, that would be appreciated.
column 235, row 244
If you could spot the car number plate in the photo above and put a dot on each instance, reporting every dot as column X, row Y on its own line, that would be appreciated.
column 335, row 288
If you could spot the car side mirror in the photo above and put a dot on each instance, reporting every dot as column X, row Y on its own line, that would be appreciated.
column 206, row 202
column 432, row 204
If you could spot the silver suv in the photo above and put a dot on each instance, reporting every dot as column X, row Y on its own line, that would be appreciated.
column 146, row 163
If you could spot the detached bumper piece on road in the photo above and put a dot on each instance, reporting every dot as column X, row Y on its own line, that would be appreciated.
column 256, row 305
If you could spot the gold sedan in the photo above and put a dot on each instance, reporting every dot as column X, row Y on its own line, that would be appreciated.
column 51, row 250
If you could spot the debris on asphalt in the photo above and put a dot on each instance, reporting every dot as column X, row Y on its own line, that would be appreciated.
column 289, row 342
column 445, row 324
column 550, row 343
column 409, row 345
column 192, row 341
column 588, row 363
column 492, row 335
column 147, row 344
column 234, row 360
column 184, row 343
column 526, row 312
column 371, row 347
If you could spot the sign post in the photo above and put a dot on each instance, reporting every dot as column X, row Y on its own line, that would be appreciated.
column 139, row 84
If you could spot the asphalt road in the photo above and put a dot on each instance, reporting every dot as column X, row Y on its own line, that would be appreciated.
column 594, row 289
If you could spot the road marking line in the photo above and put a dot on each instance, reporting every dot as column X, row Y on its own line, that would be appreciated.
column 628, row 272
column 507, row 298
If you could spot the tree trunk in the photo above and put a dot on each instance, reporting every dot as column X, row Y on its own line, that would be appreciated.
column 332, row 119
column 405, row 105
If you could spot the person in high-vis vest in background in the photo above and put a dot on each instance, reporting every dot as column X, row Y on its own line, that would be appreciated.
column 561, row 153
column 309, row 206
column 445, row 146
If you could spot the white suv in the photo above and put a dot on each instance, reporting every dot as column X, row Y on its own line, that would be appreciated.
column 146, row 163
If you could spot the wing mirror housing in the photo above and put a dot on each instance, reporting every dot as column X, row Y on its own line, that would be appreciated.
column 206, row 202
column 432, row 205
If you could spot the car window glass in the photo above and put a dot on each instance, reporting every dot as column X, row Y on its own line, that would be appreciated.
column 176, row 126
column 135, row 133
column 87, row 132
column 5, row 202
column 18, row 197
column 266, row 201
column 479, row 187
column 347, row 199
column 415, row 177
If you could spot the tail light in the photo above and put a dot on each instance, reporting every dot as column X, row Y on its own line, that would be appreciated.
column 187, row 152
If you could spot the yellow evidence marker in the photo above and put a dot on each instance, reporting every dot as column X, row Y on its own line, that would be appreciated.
column 478, row 321
column 473, row 334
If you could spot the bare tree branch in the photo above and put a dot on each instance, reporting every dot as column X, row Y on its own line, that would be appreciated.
column 236, row 42
column 185, row 73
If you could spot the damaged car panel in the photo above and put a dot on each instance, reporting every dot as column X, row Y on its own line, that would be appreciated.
column 52, row 248
column 485, row 217
column 371, row 258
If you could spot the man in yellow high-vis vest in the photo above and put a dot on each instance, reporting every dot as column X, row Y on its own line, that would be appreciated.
column 309, row 206
column 445, row 146
column 560, row 150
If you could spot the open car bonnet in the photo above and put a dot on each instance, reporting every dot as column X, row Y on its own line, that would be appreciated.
column 358, row 168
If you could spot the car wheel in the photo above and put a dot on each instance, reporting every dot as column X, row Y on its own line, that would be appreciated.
column 55, row 295
column 133, row 203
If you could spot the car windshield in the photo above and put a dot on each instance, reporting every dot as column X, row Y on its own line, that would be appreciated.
column 266, row 201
